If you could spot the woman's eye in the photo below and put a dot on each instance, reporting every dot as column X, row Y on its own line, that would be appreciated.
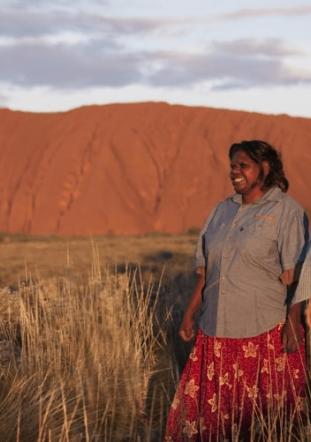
column 239, row 166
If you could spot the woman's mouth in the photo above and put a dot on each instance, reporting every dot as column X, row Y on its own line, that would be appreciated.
column 238, row 180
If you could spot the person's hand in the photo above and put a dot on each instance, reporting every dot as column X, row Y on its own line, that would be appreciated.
column 291, row 336
column 186, row 330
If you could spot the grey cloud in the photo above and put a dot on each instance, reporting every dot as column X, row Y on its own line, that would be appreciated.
column 41, row 4
column 36, row 21
column 267, row 12
column 23, row 24
column 228, row 65
column 63, row 67
column 227, row 70
column 266, row 48
column 39, row 23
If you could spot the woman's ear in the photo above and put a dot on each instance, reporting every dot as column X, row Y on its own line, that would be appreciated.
column 266, row 168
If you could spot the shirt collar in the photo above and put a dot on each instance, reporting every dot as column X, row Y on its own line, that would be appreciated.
column 273, row 194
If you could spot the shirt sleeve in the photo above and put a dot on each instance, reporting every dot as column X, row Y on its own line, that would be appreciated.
column 303, row 291
column 292, row 238
column 199, row 254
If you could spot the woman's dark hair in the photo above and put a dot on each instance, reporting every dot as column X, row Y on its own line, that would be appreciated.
column 260, row 151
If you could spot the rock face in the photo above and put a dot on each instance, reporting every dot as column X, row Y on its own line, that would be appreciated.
column 132, row 168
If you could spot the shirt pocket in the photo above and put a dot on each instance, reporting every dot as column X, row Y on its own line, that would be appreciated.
column 261, row 229
column 259, row 244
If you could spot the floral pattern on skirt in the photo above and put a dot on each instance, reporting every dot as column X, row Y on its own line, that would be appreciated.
column 229, row 383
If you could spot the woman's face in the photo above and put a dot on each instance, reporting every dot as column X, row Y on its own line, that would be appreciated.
column 245, row 174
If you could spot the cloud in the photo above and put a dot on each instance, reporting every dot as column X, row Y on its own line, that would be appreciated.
column 56, row 4
column 226, row 71
column 299, row 10
column 69, row 67
column 39, row 18
column 73, row 49
column 271, row 47
column 235, row 64
column 18, row 23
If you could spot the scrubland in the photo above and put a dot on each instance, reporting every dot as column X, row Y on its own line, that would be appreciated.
column 88, row 337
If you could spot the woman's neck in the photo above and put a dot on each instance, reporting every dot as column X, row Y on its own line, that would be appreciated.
column 253, row 196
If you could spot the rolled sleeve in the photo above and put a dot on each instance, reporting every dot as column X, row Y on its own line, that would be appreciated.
column 292, row 239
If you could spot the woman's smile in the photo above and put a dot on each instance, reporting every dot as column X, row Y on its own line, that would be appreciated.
column 238, row 180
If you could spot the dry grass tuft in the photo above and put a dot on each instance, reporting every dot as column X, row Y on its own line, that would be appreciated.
column 79, row 359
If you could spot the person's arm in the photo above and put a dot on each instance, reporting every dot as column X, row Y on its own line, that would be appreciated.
column 291, row 333
column 292, row 243
column 303, row 291
column 186, row 330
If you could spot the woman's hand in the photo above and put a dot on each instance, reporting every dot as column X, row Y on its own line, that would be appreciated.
column 291, row 336
column 186, row 330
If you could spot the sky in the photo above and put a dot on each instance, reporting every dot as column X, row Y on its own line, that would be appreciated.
column 246, row 55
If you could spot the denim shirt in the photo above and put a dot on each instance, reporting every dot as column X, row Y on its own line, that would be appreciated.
column 245, row 249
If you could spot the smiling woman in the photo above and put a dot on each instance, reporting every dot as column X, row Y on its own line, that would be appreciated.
column 248, row 358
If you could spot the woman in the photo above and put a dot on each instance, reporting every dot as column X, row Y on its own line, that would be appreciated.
column 248, row 357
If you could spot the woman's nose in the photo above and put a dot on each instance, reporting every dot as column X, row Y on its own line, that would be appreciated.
column 235, row 170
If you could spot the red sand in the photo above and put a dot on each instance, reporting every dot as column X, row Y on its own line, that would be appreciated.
column 132, row 168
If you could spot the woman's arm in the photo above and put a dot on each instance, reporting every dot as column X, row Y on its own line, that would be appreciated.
column 291, row 333
column 186, row 330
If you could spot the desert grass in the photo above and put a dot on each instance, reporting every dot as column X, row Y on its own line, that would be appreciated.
column 88, row 339
column 49, row 257
column 79, row 359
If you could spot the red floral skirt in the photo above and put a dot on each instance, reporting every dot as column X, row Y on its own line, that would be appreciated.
column 229, row 386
